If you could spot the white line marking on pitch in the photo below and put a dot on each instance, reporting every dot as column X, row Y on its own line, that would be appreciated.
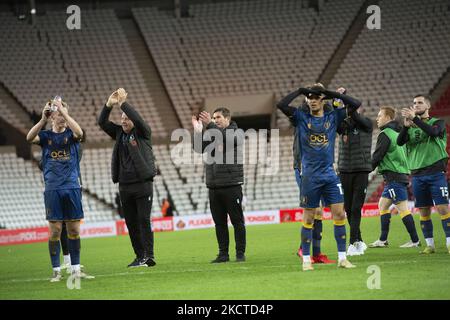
column 119, row 274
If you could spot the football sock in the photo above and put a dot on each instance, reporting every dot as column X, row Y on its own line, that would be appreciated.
column 55, row 250
column 64, row 245
column 75, row 267
column 408, row 221
column 427, row 228
column 342, row 256
column 317, row 236
column 74, row 249
column 306, row 238
column 446, row 224
column 385, row 216
column 67, row 259
column 340, row 235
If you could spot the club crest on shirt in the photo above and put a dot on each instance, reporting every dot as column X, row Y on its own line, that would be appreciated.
column 132, row 141
column 49, row 142
column 65, row 140
column 327, row 125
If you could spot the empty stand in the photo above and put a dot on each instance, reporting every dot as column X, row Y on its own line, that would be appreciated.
column 406, row 57
column 239, row 48
column 84, row 66
column 22, row 200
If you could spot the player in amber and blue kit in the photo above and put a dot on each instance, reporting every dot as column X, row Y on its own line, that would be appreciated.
column 61, row 169
column 317, row 134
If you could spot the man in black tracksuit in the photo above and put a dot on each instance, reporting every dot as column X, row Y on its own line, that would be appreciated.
column 224, row 176
column 354, row 165
column 133, row 167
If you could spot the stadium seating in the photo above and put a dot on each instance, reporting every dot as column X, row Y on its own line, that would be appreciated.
column 442, row 106
column 239, row 48
column 406, row 57
column 84, row 66
column 21, row 196
column 222, row 49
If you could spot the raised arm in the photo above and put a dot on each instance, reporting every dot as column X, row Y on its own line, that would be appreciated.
column 103, row 120
column 142, row 128
column 364, row 122
column 32, row 136
column 198, row 144
column 283, row 105
column 71, row 123
column 436, row 130
column 350, row 102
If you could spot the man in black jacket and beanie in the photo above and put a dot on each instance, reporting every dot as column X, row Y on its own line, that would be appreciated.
column 133, row 167
column 354, row 166
column 224, row 176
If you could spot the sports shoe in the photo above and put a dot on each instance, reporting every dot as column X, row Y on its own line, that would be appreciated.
column 69, row 269
column 379, row 244
column 448, row 247
column 56, row 277
column 322, row 258
column 307, row 266
column 150, row 262
column 345, row 264
column 220, row 259
column 353, row 250
column 428, row 250
column 300, row 252
column 361, row 246
column 410, row 244
column 81, row 275
column 240, row 257
column 138, row 262
column 65, row 266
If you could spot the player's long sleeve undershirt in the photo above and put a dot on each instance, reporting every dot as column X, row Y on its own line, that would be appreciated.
column 350, row 102
column 382, row 147
column 283, row 105
column 436, row 130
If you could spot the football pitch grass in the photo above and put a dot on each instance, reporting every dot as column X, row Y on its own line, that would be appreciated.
column 272, row 269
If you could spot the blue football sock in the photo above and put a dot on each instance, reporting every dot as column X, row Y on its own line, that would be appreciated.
column 385, row 222
column 340, row 235
column 408, row 221
column 54, row 249
column 427, row 227
column 446, row 224
column 306, row 239
column 74, row 249
column 317, row 236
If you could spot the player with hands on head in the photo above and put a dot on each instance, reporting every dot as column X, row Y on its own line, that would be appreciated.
column 317, row 130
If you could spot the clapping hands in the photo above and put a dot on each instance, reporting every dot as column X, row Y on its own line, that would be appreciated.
column 117, row 98
column 197, row 124
column 408, row 114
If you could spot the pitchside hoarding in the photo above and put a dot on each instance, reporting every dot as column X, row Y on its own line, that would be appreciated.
column 178, row 223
